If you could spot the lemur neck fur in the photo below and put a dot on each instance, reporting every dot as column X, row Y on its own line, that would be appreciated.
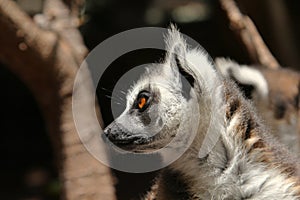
column 237, row 166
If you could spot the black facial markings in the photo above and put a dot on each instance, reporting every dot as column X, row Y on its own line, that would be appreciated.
column 142, row 94
column 145, row 118
column 114, row 132
column 121, row 137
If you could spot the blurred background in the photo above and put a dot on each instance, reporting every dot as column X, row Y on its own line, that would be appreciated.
column 28, row 169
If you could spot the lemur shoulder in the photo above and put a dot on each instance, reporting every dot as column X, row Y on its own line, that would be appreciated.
column 276, row 96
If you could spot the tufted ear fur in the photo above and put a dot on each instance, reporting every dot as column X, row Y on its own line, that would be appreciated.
column 250, row 80
column 176, row 60
column 191, row 67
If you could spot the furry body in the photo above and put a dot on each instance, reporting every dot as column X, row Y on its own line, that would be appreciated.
column 245, row 162
column 275, row 93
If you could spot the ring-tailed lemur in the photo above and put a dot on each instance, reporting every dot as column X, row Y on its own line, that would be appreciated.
column 275, row 93
column 245, row 163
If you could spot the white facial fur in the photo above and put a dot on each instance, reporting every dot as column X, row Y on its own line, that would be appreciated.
column 170, row 99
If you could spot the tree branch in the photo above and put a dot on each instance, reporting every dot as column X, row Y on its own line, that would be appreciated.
column 245, row 29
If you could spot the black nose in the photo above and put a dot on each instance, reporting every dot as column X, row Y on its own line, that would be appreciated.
column 113, row 132
column 110, row 133
column 118, row 134
column 106, row 131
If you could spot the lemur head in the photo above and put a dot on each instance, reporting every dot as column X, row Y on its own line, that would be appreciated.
column 165, row 99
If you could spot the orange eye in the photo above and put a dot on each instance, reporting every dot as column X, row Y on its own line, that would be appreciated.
column 142, row 102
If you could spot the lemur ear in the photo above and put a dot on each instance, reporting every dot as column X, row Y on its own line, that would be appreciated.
column 250, row 80
column 176, row 54
column 178, row 65
column 177, row 58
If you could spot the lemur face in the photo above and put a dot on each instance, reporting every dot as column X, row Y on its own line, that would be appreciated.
column 154, row 105
column 171, row 102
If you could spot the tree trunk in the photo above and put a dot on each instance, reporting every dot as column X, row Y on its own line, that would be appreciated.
column 47, row 60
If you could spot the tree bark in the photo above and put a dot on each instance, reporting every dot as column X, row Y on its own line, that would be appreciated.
column 246, row 31
column 47, row 60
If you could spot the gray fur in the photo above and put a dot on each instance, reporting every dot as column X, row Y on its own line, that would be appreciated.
column 275, row 95
column 233, row 169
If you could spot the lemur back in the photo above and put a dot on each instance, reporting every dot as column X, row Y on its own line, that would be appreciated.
column 245, row 162
column 275, row 93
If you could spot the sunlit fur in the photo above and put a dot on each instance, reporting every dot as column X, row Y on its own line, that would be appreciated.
column 245, row 163
column 275, row 95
